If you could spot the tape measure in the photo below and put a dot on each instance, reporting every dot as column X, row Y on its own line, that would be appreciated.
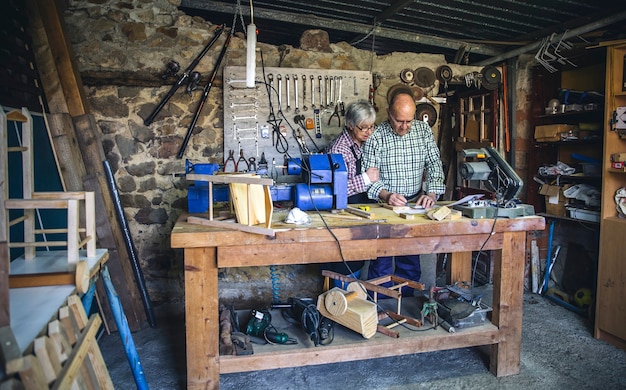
column 364, row 208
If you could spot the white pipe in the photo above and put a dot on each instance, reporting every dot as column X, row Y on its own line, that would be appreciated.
column 251, row 56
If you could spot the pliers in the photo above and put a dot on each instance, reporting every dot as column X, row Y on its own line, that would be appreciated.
column 231, row 158
column 335, row 113
column 241, row 160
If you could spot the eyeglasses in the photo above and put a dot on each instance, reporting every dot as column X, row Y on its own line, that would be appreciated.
column 369, row 128
column 401, row 123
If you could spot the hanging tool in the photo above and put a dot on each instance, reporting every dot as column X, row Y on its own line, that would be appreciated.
column 183, row 77
column 205, row 95
column 312, row 92
column 335, row 113
column 295, row 88
column 326, row 91
column 242, row 159
column 252, row 164
column 342, row 107
column 319, row 90
column 280, row 93
column 287, row 83
column 230, row 159
column 304, row 107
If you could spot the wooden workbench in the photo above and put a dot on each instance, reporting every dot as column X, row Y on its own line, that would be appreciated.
column 207, row 249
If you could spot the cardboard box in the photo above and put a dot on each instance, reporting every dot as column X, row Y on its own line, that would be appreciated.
column 555, row 200
column 551, row 133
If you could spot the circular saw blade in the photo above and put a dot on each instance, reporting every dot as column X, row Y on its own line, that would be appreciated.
column 426, row 112
column 424, row 77
column 396, row 89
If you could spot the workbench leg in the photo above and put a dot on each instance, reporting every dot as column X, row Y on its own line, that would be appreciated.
column 202, row 318
column 459, row 267
column 508, row 290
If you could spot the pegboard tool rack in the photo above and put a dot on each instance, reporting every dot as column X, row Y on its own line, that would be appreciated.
column 261, row 121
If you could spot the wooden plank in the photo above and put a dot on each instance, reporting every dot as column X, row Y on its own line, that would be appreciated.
column 508, row 289
column 69, row 324
column 32, row 374
column 61, row 132
column 233, row 225
column 108, row 230
column 459, row 268
column 77, row 356
column 23, row 204
column 201, row 306
column 376, row 347
column 360, row 213
column 41, row 279
column 244, row 178
column 5, row 308
column 45, row 353
column 44, row 58
column 64, row 61
column 60, row 342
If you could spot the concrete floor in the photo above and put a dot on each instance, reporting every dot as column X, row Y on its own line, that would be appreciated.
column 558, row 352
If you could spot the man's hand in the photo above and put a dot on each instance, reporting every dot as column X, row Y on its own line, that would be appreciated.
column 426, row 201
column 372, row 174
column 396, row 199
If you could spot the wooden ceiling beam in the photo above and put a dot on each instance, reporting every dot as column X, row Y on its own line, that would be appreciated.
column 340, row 25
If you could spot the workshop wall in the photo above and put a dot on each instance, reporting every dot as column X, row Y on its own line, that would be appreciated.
column 121, row 49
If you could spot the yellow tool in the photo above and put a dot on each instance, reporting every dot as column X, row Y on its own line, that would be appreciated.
column 364, row 208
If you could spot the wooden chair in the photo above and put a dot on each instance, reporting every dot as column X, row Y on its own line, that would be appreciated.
column 80, row 205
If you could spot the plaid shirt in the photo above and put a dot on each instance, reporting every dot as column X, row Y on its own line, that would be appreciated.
column 344, row 145
column 403, row 161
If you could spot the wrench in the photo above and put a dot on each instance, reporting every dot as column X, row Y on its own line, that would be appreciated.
column 332, row 89
column 319, row 90
column 287, row 82
column 327, row 90
column 304, row 107
column 339, row 93
column 295, row 87
column 312, row 92
column 280, row 93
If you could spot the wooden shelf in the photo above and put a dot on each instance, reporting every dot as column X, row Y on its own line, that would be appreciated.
column 610, row 311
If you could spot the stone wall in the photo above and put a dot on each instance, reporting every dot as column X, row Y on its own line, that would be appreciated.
column 122, row 48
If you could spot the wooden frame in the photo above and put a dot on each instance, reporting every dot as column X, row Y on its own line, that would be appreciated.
column 31, row 201
column 211, row 248
column 245, row 195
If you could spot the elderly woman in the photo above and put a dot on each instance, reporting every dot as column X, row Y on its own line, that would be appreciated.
column 359, row 125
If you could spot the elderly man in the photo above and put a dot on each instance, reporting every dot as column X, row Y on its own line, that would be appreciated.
column 407, row 157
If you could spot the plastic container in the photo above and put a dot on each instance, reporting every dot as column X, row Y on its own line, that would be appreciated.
column 583, row 215
column 476, row 318
column 591, row 169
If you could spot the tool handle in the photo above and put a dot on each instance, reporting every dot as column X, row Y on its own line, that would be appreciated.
column 182, row 78
column 205, row 95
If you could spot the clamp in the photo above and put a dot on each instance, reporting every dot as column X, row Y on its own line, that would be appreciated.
column 335, row 113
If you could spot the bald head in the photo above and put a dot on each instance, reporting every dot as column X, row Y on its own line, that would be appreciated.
column 401, row 113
